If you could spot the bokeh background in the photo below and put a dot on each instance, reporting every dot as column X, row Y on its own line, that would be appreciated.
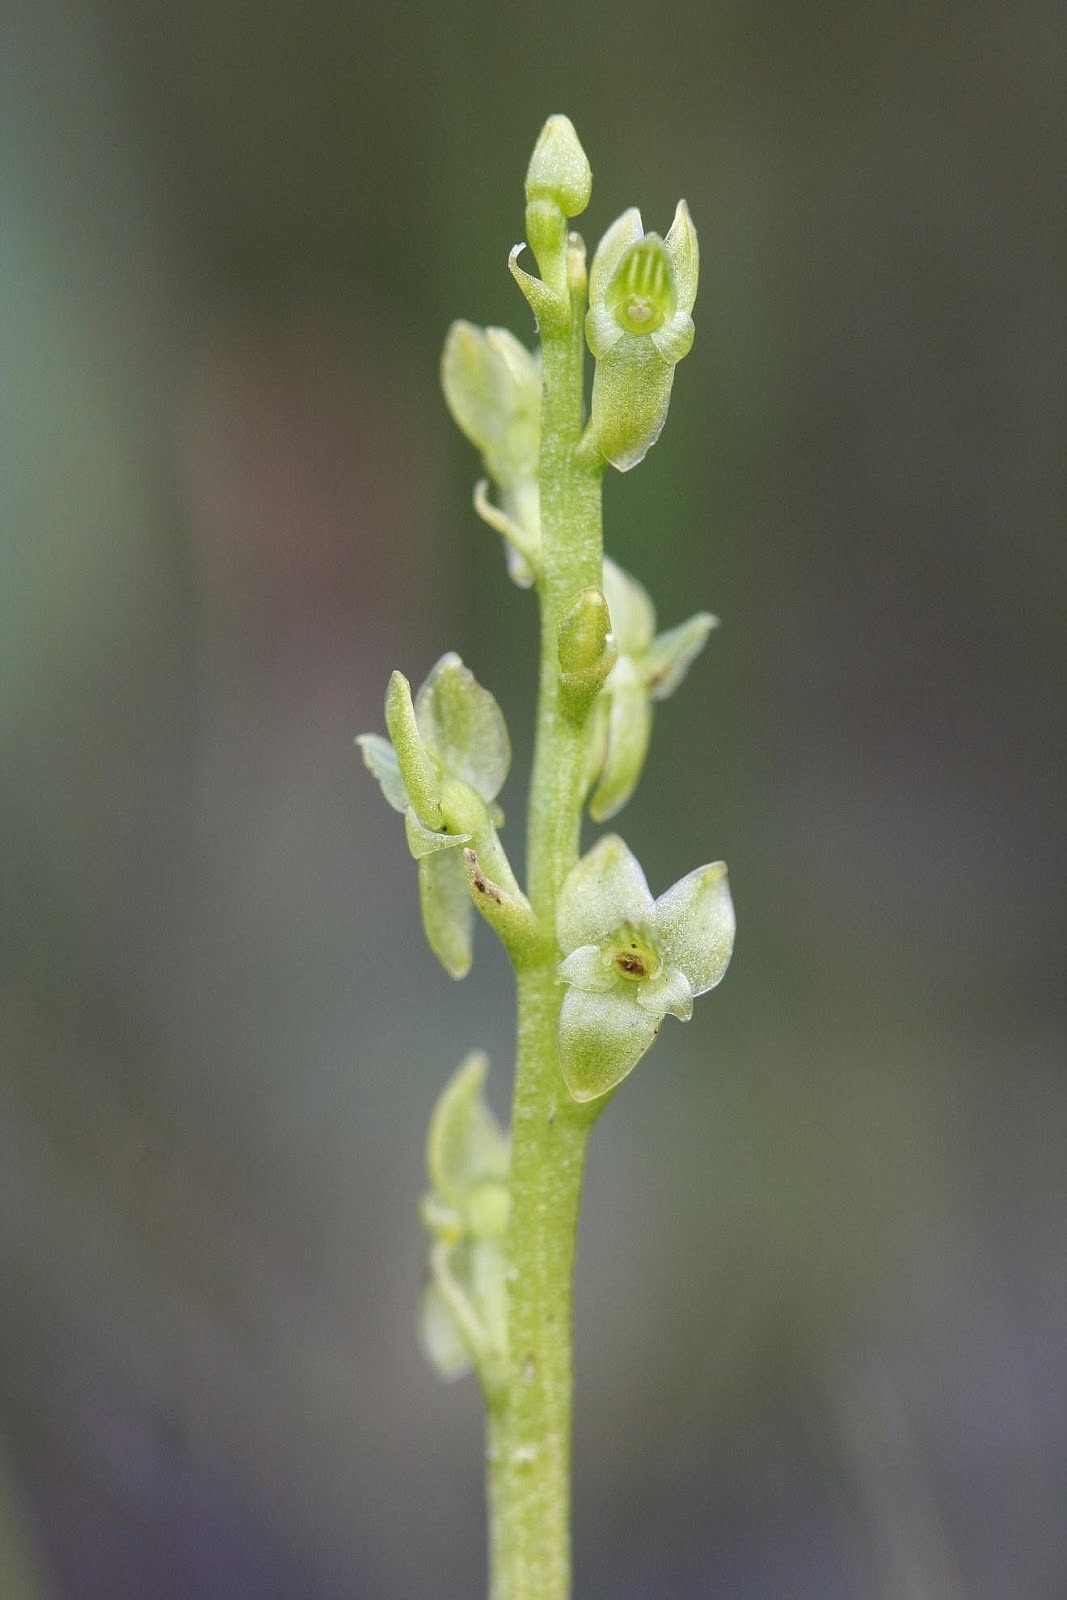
column 822, row 1307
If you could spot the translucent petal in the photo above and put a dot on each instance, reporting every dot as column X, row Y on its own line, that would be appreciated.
column 642, row 293
column 673, row 652
column 447, row 913
column 670, row 991
column 492, row 385
column 517, row 543
column 694, row 923
column 633, row 615
column 624, row 232
column 629, row 732
column 380, row 757
column 684, row 251
column 587, row 969
column 674, row 339
column 606, row 888
column 602, row 329
column 631, row 395
column 440, row 1339
column 602, row 1037
column 462, row 725
column 465, row 1144
column 424, row 841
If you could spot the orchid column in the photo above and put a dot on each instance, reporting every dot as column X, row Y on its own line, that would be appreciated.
column 599, row 963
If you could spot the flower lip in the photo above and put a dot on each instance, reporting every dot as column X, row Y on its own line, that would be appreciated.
column 634, row 953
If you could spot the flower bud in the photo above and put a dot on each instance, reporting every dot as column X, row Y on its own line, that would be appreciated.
column 587, row 648
column 559, row 168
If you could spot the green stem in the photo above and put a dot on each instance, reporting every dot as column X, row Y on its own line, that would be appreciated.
column 529, row 1424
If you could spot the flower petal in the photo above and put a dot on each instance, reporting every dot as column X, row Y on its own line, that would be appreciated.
column 629, row 732
column 670, row 991
column 587, row 969
column 424, row 841
column 684, row 251
column 441, row 1339
column 602, row 1037
column 380, row 757
column 606, row 888
column 694, row 922
column 633, row 616
column 631, row 394
column 462, row 725
column 447, row 913
column 624, row 232
column 673, row 652
column 492, row 385
column 465, row 1145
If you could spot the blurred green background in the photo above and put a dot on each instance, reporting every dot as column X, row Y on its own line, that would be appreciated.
column 822, row 1305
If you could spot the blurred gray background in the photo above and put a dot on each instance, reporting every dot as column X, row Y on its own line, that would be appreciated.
column 822, row 1301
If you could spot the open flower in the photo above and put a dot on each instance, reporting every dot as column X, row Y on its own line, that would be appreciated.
column 629, row 960
column 463, row 1311
column 639, row 326
column 649, row 667
column 492, row 385
column 442, row 767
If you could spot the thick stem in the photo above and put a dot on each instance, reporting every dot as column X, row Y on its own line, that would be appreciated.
column 529, row 1426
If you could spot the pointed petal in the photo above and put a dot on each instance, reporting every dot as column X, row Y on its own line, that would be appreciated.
column 548, row 307
column 380, row 757
column 633, row 616
column 586, row 969
column 447, row 913
column 694, row 923
column 684, row 251
column 462, row 725
column 605, row 889
column 624, row 232
column 492, row 385
column 440, row 1338
column 629, row 732
column 465, row 1144
column 671, row 992
column 673, row 652
column 602, row 1037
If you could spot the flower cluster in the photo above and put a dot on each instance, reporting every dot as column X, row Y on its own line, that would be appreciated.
column 443, row 766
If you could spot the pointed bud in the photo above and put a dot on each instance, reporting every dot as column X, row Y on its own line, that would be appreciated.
column 559, row 168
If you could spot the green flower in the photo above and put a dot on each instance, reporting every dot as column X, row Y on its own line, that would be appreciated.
column 492, row 385
column 629, row 960
column 463, row 1312
column 442, row 767
column 639, row 326
column 650, row 666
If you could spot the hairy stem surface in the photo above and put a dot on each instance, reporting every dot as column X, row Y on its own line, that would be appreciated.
column 529, row 1425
